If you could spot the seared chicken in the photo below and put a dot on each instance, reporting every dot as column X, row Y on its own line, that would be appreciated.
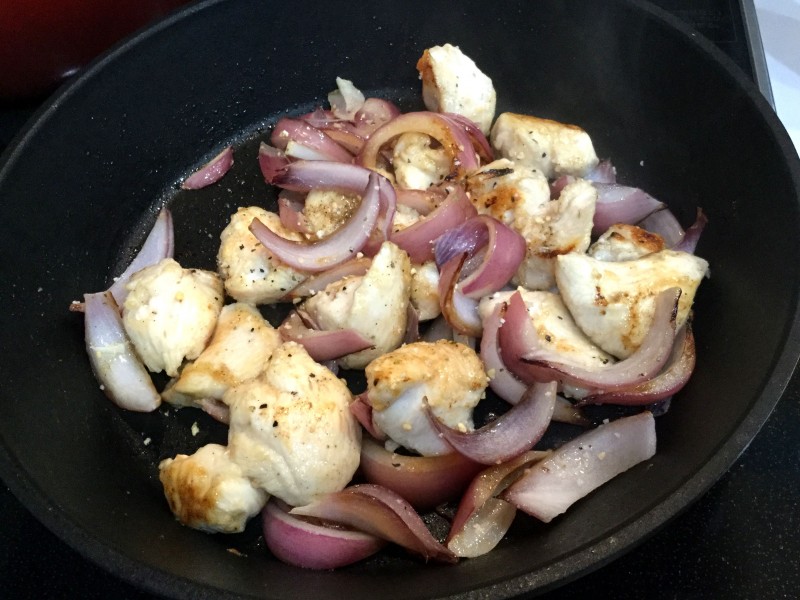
column 520, row 198
column 291, row 428
column 452, row 83
column 625, row 242
column 613, row 302
column 551, row 147
column 327, row 210
column 374, row 304
column 447, row 375
column 207, row 490
column 425, row 290
column 251, row 274
column 170, row 313
column 239, row 350
column 417, row 165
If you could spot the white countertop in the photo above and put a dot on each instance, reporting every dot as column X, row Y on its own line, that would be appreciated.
column 779, row 22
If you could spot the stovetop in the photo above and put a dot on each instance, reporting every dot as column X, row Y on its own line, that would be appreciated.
column 738, row 541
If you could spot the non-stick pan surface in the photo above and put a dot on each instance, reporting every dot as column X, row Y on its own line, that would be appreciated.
column 82, row 185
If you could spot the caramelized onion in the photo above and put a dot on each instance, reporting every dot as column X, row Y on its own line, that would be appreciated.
column 322, row 345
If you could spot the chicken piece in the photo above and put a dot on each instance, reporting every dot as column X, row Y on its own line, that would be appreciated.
column 292, row 431
column 425, row 290
column 251, row 274
column 404, row 216
column 242, row 343
column 452, row 83
column 625, row 242
column 520, row 198
column 327, row 210
column 207, row 490
column 374, row 304
column 446, row 374
column 553, row 148
column 170, row 313
column 613, row 302
column 417, row 166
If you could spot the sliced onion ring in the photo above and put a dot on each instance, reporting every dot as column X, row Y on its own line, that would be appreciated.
column 461, row 312
column 481, row 519
column 621, row 204
column 380, row 512
column 298, row 542
column 504, row 251
column 122, row 376
column 424, row 481
column 582, row 465
column 322, row 345
column 341, row 245
column 211, row 172
column 295, row 135
column 417, row 239
column 159, row 244
column 317, row 283
column 670, row 381
column 510, row 434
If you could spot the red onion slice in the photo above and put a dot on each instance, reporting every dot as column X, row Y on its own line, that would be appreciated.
column 481, row 519
column 640, row 366
column 122, row 376
column 417, row 239
column 297, row 542
column 479, row 141
column 664, row 223
column 341, row 245
column 621, row 204
column 216, row 409
column 670, row 381
column 510, row 434
column 424, row 481
column 307, row 175
column 692, row 235
column 290, row 211
column 504, row 251
column 317, row 283
column 453, row 138
column 362, row 410
column 502, row 381
column 484, row 530
column 516, row 337
column 582, row 465
column 422, row 201
column 375, row 113
column 306, row 136
column 604, row 172
column 211, row 172
column 159, row 244
column 380, row 512
column 271, row 161
column 461, row 312
column 322, row 345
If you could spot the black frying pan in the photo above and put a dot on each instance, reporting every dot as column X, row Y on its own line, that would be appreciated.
column 82, row 186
